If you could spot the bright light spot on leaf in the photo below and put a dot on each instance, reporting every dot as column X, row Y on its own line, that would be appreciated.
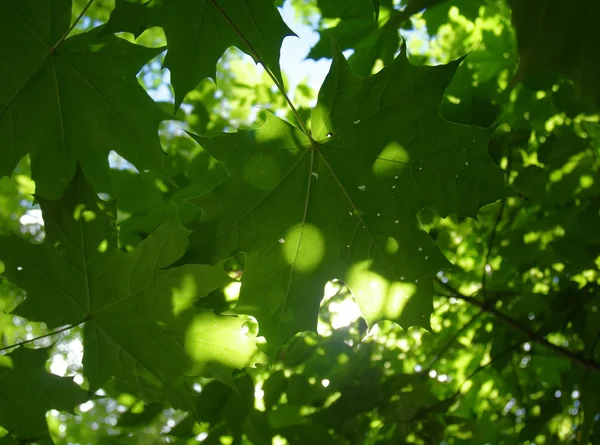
column 215, row 341
column 103, row 246
column 586, row 181
column 96, row 47
column 391, row 246
column 378, row 66
column 262, row 171
column 386, row 300
column 232, row 291
column 325, row 383
column 531, row 237
column 80, row 212
column 6, row 362
column 184, row 296
column 391, row 158
column 304, row 247
column 160, row 184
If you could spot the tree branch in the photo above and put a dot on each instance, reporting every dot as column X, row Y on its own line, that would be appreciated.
column 458, row 333
column 453, row 397
column 50, row 334
column 489, row 248
column 530, row 334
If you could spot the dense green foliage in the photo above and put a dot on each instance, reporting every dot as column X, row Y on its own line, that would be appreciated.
column 198, row 245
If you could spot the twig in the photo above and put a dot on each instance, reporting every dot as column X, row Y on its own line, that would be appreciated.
column 495, row 227
column 522, row 395
column 50, row 334
column 66, row 34
column 458, row 392
column 531, row 335
column 444, row 348
column 489, row 248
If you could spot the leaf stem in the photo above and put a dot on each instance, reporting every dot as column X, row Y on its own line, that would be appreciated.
column 49, row 334
column 278, row 84
column 66, row 34
column 530, row 334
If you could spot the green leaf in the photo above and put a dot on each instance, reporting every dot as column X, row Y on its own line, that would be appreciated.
column 273, row 387
column 555, row 36
column 27, row 391
column 360, row 27
column 63, row 101
column 344, row 205
column 199, row 32
column 131, row 418
column 140, row 323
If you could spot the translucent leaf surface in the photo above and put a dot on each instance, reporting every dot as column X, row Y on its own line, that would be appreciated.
column 343, row 203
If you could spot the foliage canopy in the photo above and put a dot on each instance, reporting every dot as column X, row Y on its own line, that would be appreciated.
column 199, row 245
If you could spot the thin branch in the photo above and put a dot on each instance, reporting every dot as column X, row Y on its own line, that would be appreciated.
column 458, row 333
column 485, row 365
column 522, row 395
column 458, row 392
column 490, row 246
column 50, row 334
column 66, row 34
column 594, row 345
column 495, row 227
column 530, row 334
column 278, row 84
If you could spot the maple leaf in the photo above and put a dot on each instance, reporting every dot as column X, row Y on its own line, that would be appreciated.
column 140, row 323
column 68, row 100
column 371, row 41
column 199, row 32
column 27, row 391
column 360, row 27
column 343, row 203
